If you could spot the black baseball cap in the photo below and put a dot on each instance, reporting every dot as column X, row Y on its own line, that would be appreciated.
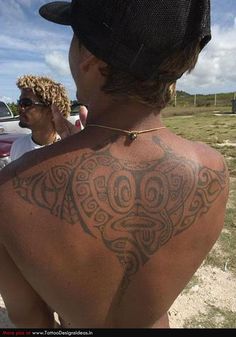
column 134, row 35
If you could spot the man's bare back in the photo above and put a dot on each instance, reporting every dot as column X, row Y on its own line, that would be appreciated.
column 102, row 228
column 106, row 234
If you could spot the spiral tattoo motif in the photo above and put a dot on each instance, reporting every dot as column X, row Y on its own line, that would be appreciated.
column 121, row 191
column 134, row 208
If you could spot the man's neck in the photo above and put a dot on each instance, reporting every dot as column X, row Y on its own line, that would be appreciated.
column 43, row 137
column 126, row 116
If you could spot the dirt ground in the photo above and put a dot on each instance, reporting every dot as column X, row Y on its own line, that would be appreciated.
column 209, row 303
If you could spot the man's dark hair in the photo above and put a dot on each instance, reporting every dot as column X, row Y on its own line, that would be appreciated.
column 155, row 92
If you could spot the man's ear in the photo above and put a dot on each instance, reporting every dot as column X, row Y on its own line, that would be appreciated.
column 88, row 61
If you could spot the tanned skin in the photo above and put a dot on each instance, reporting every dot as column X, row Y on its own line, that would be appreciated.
column 103, row 230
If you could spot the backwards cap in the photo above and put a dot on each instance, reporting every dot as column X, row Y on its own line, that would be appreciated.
column 134, row 35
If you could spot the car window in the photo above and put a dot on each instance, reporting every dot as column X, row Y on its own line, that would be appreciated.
column 4, row 111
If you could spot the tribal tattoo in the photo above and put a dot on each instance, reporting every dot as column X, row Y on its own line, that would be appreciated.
column 135, row 208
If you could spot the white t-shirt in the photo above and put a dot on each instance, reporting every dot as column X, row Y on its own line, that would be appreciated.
column 22, row 145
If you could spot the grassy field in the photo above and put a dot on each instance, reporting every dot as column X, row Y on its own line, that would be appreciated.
column 220, row 133
column 202, row 125
column 220, row 99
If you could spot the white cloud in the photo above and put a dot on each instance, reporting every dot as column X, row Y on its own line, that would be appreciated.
column 6, row 99
column 38, row 43
column 216, row 67
column 11, row 68
column 58, row 62
column 22, row 27
column 26, row 3
column 11, row 10
column 7, row 42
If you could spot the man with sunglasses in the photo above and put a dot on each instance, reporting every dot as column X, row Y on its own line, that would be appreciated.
column 109, row 225
column 35, row 113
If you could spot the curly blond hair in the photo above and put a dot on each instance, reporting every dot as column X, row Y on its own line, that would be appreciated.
column 47, row 90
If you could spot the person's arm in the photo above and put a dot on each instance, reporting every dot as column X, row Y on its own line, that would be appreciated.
column 62, row 126
column 25, row 307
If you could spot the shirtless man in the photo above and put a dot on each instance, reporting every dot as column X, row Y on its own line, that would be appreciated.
column 108, row 226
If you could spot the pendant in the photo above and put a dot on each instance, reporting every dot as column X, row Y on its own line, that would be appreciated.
column 133, row 135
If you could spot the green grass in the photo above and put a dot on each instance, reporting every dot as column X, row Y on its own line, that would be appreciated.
column 184, row 110
column 224, row 258
column 207, row 101
column 208, row 128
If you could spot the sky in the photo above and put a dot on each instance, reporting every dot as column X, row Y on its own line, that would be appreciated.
column 31, row 45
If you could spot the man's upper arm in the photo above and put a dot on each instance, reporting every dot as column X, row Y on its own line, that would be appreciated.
column 25, row 307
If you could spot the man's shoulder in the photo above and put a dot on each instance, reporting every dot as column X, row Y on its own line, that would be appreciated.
column 212, row 174
column 212, row 165
column 19, row 145
column 21, row 140
column 208, row 156
column 200, row 166
column 177, row 150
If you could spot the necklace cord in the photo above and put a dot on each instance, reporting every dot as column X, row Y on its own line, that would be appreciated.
column 128, row 132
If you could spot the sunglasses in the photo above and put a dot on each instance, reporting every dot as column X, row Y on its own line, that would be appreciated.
column 27, row 102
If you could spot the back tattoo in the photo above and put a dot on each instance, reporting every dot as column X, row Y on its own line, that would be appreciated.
column 134, row 208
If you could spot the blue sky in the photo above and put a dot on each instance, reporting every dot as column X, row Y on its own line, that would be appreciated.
column 31, row 45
